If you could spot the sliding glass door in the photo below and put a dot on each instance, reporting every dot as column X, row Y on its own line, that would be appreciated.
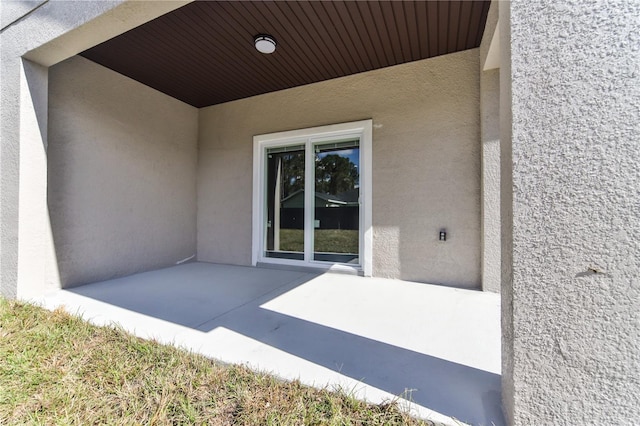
column 284, row 221
column 308, row 198
column 336, row 198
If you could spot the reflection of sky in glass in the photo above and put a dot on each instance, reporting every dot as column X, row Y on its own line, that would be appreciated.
column 352, row 154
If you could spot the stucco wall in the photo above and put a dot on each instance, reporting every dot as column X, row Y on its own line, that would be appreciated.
column 490, row 163
column 43, row 36
column 426, row 164
column 506, row 215
column 122, row 174
column 575, row 263
column 13, row 11
column 490, row 110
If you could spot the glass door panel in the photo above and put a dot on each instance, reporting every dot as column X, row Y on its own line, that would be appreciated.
column 336, row 235
column 284, row 227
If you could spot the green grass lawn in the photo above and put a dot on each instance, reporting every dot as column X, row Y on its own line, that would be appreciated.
column 57, row 369
column 325, row 240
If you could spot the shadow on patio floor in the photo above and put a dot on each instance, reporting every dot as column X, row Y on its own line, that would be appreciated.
column 206, row 297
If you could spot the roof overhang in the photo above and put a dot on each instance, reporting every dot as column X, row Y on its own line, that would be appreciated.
column 203, row 52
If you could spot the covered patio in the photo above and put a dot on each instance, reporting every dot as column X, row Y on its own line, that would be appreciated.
column 517, row 138
column 378, row 338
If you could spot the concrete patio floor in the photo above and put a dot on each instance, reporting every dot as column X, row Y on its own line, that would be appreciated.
column 438, row 347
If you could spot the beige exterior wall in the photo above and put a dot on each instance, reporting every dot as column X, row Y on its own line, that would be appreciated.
column 490, row 110
column 13, row 11
column 36, row 35
column 426, row 164
column 571, row 212
column 121, row 167
column 490, row 139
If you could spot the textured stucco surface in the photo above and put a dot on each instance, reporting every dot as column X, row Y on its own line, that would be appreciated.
column 489, row 30
column 48, row 22
column 426, row 164
column 490, row 163
column 12, row 11
column 49, row 33
column 575, row 266
column 122, row 174
column 490, row 113
column 36, row 261
column 506, row 213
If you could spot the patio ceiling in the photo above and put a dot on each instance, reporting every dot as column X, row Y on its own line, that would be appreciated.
column 203, row 52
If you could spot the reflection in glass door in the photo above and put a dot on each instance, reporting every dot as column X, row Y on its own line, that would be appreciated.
column 336, row 220
column 284, row 236
column 312, row 198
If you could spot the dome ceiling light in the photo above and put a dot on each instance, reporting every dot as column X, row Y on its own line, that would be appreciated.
column 265, row 43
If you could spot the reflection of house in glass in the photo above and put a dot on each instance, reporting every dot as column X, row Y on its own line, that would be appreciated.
column 332, row 211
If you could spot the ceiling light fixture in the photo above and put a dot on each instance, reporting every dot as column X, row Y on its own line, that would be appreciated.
column 265, row 43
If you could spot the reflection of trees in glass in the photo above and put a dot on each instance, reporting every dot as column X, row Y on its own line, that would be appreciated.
column 293, row 173
column 335, row 174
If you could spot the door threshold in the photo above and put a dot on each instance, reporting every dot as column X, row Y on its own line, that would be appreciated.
column 311, row 269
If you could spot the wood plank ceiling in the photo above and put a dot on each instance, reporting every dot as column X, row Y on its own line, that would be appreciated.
column 203, row 53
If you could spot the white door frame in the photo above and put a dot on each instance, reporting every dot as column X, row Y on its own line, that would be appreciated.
column 309, row 136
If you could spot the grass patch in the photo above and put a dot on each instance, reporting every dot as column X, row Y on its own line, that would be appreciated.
column 325, row 240
column 57, row 369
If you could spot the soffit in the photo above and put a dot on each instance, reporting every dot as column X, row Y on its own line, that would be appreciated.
column 203, row 52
